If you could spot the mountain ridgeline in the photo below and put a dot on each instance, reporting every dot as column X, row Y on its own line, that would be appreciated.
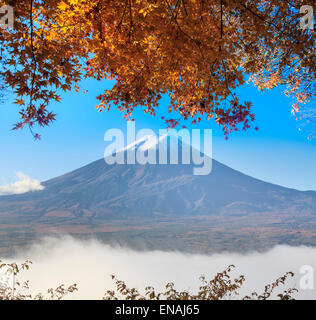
column 160, row 206
column 120, row 191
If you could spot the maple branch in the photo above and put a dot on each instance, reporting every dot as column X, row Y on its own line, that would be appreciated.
column 211, row 74
column 226, row 83
column 221, row 19
column 175, row 20
column 267, row 22
column 122, row 18
column 177, row 7
column 130, row 17
column 35, row 135
column 33, row 54
column 260, row 17
column 184, row 7
column 220, row 47
column 180, row 29
column 281, row 32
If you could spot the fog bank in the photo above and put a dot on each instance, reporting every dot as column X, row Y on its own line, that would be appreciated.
column 90, row 263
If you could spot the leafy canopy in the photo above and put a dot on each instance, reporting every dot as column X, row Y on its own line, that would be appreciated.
column 196, row 51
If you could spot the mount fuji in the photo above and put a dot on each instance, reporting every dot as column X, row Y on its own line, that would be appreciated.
column 100, row 194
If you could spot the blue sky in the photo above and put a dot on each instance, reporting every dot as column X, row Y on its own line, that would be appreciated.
column 277, row 153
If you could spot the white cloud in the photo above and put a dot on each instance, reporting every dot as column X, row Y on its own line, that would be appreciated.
column 90, row 264
column 24, row 184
